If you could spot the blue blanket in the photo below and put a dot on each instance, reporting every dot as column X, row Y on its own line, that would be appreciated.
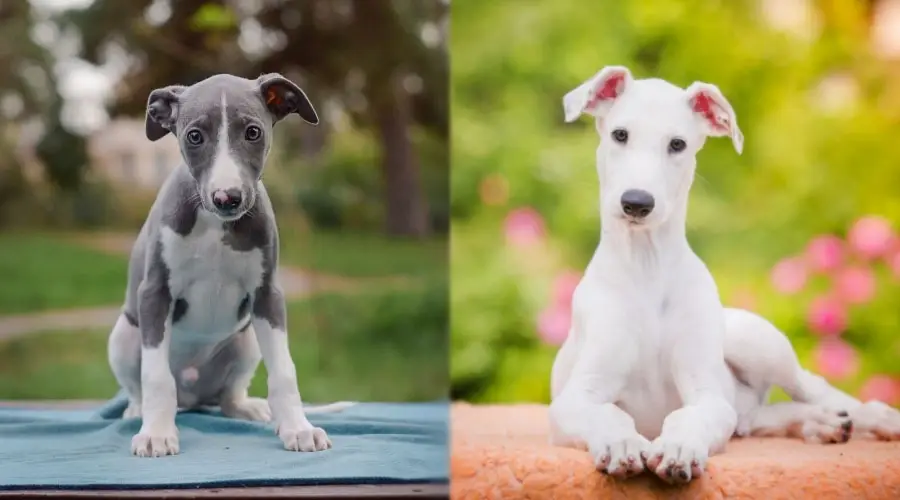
column 374, row 443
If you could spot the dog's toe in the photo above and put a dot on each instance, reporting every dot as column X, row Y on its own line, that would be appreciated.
column 314, row 439
column 155, row 444
column 828, row 427
column 675, row 461
column 621, row 458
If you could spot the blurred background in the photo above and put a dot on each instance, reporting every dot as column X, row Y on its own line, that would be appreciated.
column 801, row 228
column 361, row 200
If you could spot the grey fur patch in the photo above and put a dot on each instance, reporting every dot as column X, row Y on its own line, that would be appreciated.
column 268, row 302
column 269, row 305
column 250, row 232
column 180, row 203
column 154, row 300
column 179, row 310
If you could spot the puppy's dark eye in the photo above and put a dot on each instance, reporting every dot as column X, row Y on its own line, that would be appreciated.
column 620, row 135
column 195, row 138
column 252, row 133
column 677, row 145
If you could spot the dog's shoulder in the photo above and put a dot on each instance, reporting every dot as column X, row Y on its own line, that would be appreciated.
column 176, row 205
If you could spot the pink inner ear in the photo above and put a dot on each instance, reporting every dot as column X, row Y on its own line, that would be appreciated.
column 703, row 104
column 609, row 90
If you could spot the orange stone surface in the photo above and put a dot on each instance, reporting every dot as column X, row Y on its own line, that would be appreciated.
column 502, row 452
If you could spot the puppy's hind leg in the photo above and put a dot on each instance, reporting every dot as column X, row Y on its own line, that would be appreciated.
column 760, row 357
column 812, row 423
column 124, row 355
column 234, row 400
column 872, row 418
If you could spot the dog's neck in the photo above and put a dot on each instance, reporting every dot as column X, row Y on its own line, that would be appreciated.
column 648, row 249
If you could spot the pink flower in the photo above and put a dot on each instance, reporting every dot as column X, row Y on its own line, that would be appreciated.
column 893, row 262
column 564, row 287
column 855, row 285
column 789, row 275
column 825, row 253
column 524, row 226
column 871, row 236
column 883, row 388
column 553, row 324
column 836, row 359
column 827, row 317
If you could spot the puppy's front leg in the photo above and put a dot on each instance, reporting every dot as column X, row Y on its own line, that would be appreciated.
column 707, row 419
column 159, row 400
column 584, row 413
column 270, row 323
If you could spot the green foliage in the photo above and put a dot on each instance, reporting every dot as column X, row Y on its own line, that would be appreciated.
column 807, row 168
column 43, row 272
column 345, row 188
column 213, row 17
column 362, row 254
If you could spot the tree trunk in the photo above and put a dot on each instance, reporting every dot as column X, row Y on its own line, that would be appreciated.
column 406, row 212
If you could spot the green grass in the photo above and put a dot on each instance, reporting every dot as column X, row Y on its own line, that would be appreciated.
column 371, row 346
column 40, row 272
column 355, row 254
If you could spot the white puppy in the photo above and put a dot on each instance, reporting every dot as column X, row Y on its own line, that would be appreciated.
column 655, row 372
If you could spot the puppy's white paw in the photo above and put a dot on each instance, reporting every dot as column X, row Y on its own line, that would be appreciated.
column 310, row 439
column 132, row 411
column 878, row 419
column 676, row 458
column 155, row 442
column 621, row 456
column 826, row 426
column 255, row 409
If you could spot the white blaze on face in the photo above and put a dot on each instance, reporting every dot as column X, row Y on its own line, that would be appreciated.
column 225, row 173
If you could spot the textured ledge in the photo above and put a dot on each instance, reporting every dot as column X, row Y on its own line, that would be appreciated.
column 502, row 452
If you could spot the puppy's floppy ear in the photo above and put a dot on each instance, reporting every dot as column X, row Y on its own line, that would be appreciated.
column 715, row 112
column 284, row 97
column 596, row 95
column 162, row 111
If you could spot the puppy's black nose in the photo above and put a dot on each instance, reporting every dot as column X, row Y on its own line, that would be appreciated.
column 637, row 203
column 227, row 199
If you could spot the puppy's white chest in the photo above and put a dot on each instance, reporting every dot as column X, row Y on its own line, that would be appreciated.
column 650, row 393
column 211, row 283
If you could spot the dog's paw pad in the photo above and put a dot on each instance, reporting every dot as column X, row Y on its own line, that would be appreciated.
column 313, row 439
column 155, row 444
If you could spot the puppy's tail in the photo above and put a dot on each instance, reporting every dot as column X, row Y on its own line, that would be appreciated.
column 329, row 408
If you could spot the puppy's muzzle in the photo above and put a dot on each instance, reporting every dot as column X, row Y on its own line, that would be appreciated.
column 637, row 204
column 227, row 201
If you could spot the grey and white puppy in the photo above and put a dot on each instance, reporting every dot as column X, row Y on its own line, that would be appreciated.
column 203, row 305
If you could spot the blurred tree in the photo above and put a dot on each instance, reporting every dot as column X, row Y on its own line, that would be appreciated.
column 27, row 77
column 360, row 51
